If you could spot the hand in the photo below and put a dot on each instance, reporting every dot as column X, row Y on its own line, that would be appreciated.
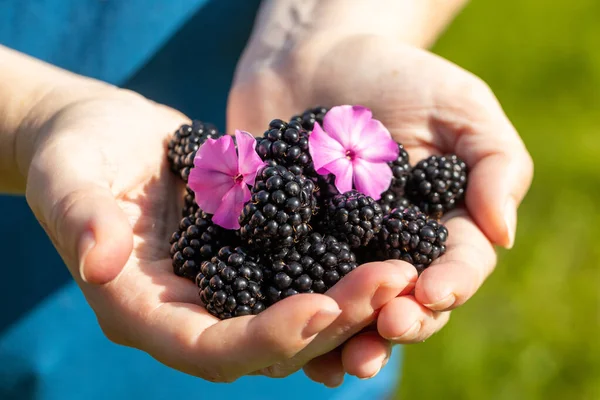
column 99, row 184
column 431, row 106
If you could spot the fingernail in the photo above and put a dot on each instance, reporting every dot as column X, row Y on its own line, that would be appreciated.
column 86, row 244
column 510, row 219
column 321, row 320
column 442, row 304
column 382, row 295
column 410, row 333
column 336, row 380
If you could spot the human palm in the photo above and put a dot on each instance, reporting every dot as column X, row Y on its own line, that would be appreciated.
column 99, row 184
column 432, row 107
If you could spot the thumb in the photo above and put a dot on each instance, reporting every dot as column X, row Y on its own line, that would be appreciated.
column 79, row 213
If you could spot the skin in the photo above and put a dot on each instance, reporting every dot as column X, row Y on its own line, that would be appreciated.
column 66, row 142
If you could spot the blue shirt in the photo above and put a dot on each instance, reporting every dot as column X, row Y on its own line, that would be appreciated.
column 178, row 52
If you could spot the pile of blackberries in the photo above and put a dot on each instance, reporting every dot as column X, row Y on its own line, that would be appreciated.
column 298, row 234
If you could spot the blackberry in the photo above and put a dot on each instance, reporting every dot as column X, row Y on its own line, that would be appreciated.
column 280, row 209
column 389, row 200
column 285, row 144
column 437, row 184
column 197, row 240
column 182, row 147
column 354, row 218
column 312, row 266
column 230, row 284
column 310, row 116
column 411, row 236
column 189, row 202
column 400, row 172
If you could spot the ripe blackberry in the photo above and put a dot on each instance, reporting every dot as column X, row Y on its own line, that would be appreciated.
column 389, row 200
column 354, row 218
column 189, row 202
column 310, row 116
column 230, row 283
column 285, row 144
column 400, row 171
column 280, row 209
column 437, row 184
column 312, row 266
column 411, row 236
column 182, row 147
column 197, row 240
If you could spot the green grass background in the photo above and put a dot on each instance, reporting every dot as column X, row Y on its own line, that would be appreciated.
column 533, row 330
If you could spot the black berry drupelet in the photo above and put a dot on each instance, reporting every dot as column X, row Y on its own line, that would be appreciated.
column 353, row 217
column 437, row 184
column 400, row 172
column 411, row 236
column 185, row 142
column 279, row 211
column 197, row 240
column 310, row 116
column 285, row 144
column 189, row 202
column 312, row 266
column 389, row 201
column 230, row 283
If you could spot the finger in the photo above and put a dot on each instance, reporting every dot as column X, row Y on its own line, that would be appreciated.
column 326, row 369
column 365, row 354
column 454, row 277
column 476, row 128
column 184, row 336
column 360, row 295
column 79, row 212
column 404, row 320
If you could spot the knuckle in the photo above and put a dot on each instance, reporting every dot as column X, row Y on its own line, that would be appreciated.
column 279, row 370
column 217, row 374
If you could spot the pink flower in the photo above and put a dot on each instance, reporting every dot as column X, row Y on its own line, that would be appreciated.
column 355, row 148
column 220, row 177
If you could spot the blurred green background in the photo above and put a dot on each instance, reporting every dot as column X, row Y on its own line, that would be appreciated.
column 533, row 330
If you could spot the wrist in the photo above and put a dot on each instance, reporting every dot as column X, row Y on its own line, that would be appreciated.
column 291, row 36
column 282, row 25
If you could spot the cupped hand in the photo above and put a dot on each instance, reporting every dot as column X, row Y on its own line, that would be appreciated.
column 432, row 107
column 99, row 185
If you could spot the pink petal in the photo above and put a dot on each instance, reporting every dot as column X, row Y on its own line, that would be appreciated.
column 342, row 169
column 231, row 207
column 218, row 155
column 346, row 124
column 249, row 161
column 370, row 178
column 323, row 148
column 209, row 188
column 377, row 144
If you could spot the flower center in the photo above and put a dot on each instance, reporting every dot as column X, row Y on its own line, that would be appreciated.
column 350, row 155
column 238, row 178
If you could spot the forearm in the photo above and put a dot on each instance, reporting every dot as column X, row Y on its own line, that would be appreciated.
column 31, row 92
